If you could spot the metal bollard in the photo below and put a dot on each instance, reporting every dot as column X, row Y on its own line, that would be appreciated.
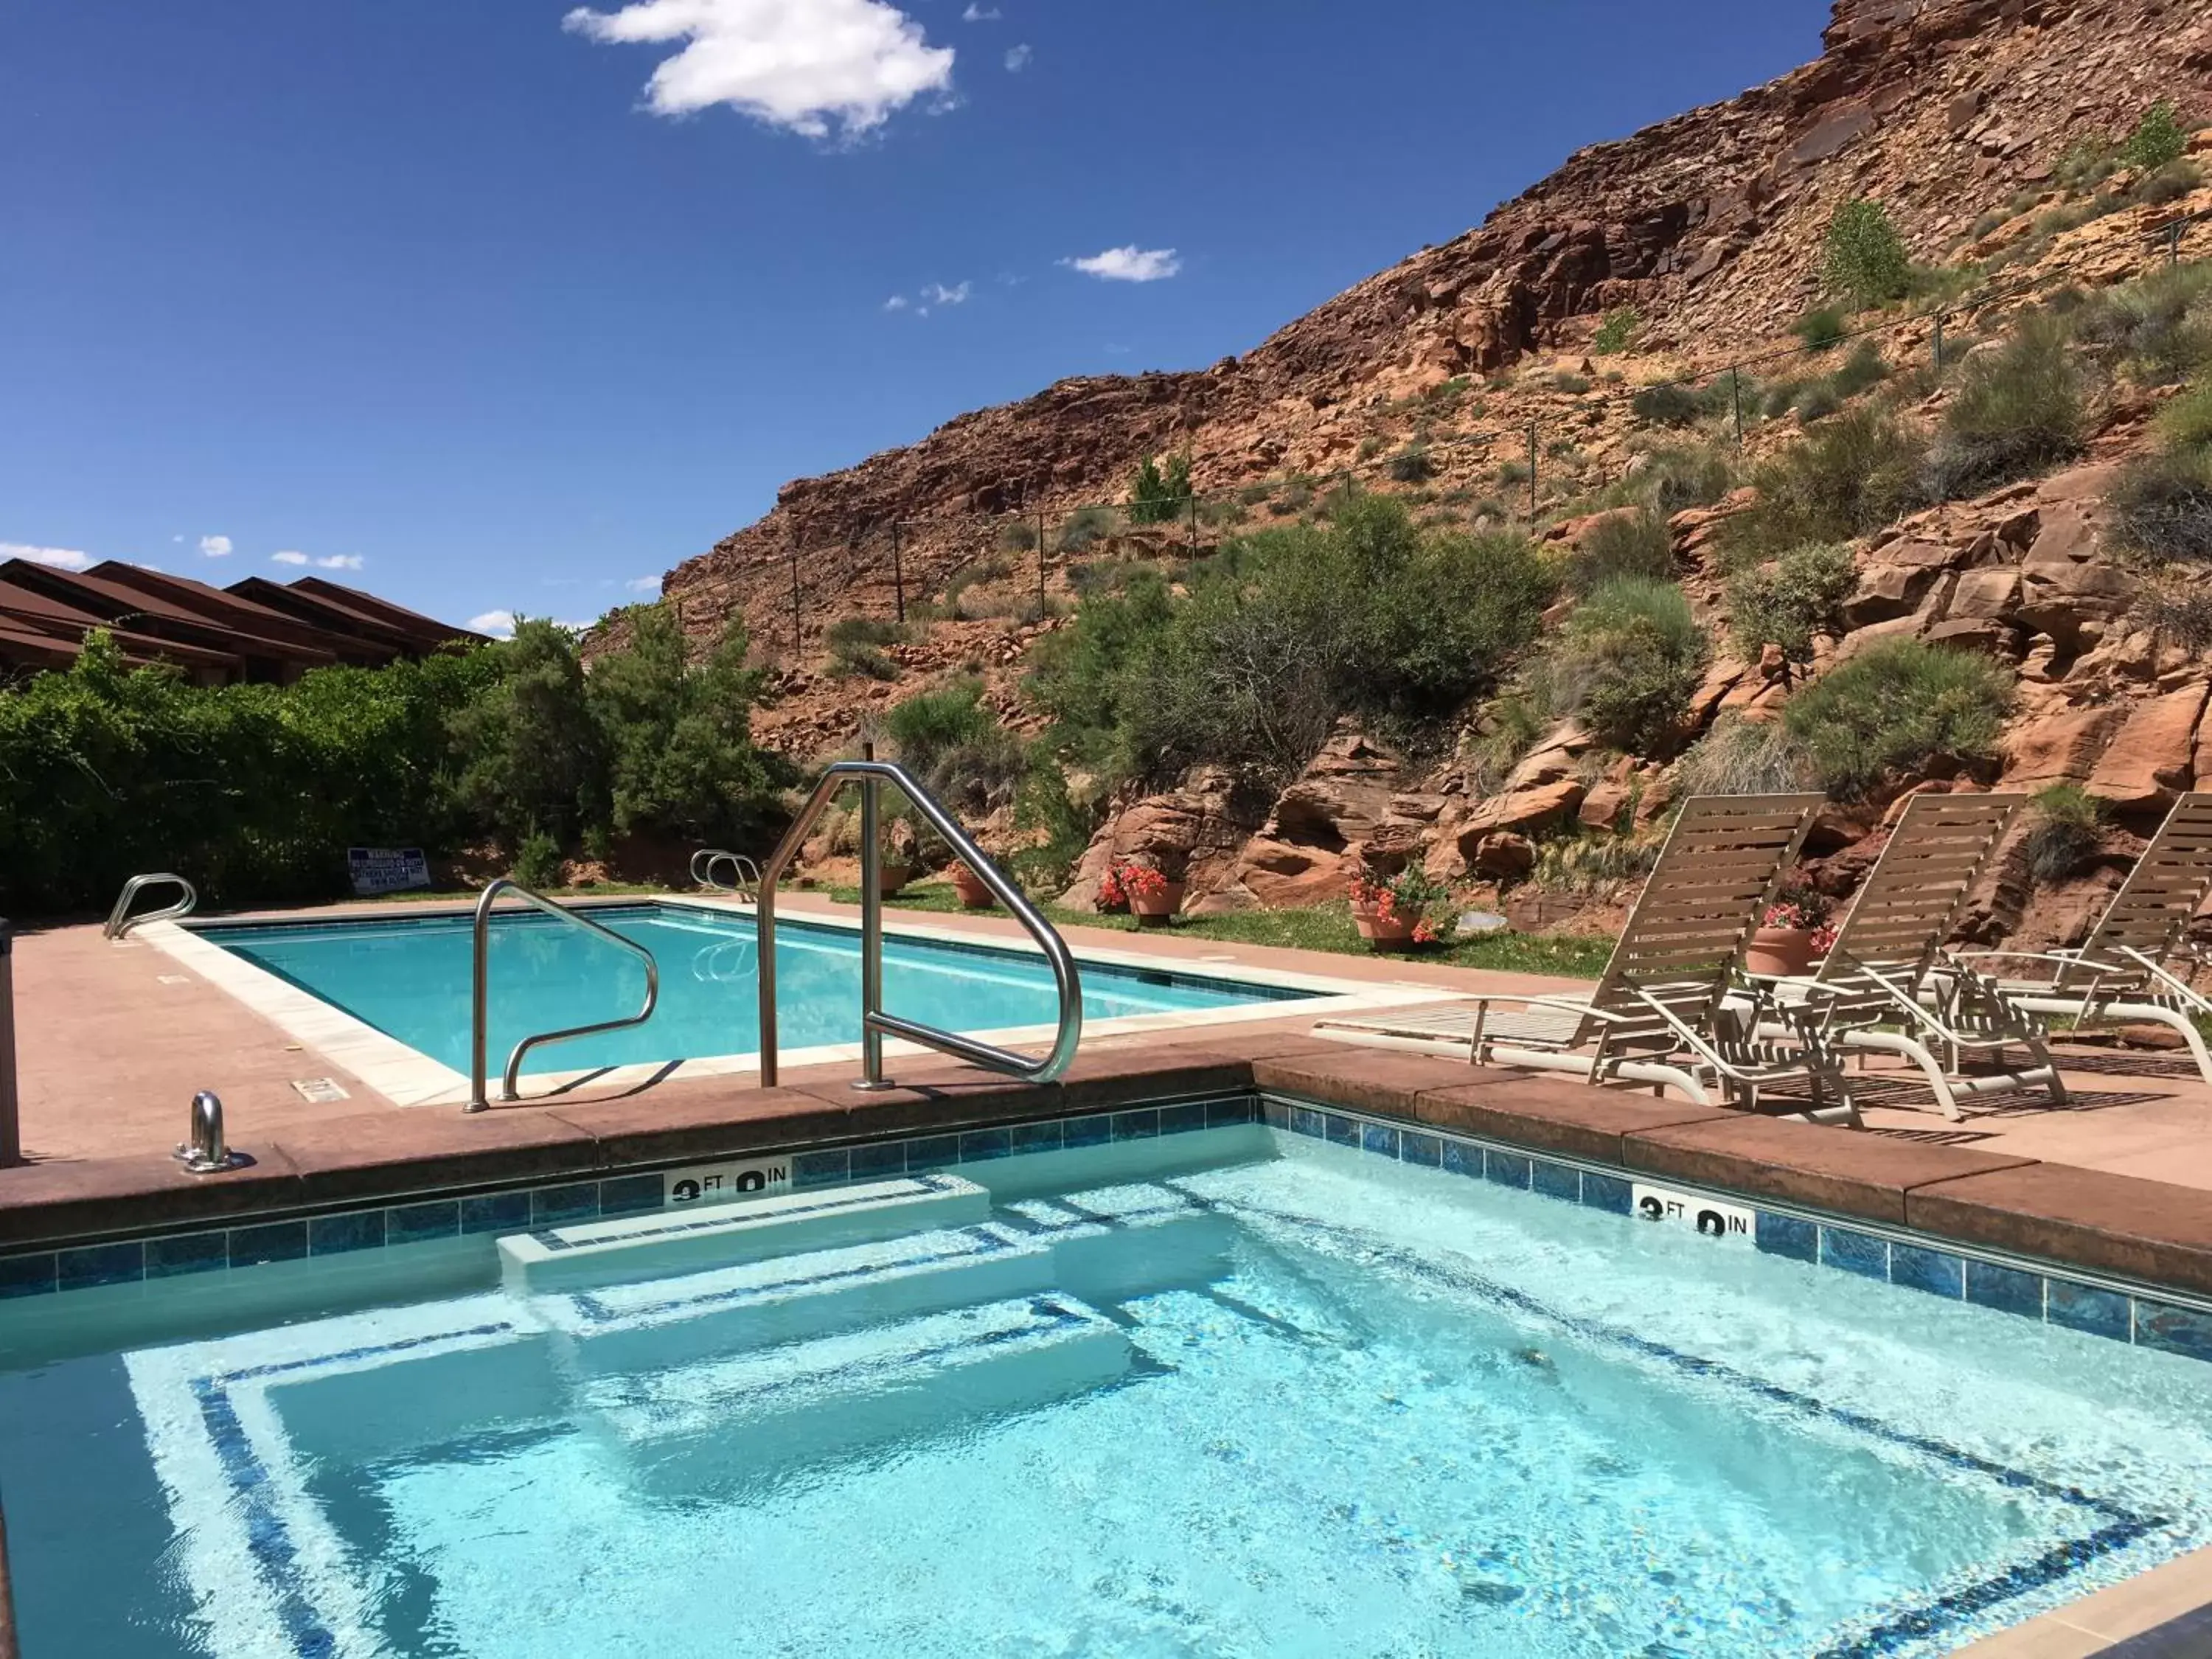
column 11, row 1125
column 207, row 1151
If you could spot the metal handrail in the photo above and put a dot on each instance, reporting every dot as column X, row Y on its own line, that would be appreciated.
column 875, row 1023
column 479, row 1026
column 737, row 861
column 119, row 922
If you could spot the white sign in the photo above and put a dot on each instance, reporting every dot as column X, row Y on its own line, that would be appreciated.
column 1706, row 1215
column 387, row 869
column 720, row 1183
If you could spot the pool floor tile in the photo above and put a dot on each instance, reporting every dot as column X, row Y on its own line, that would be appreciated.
column 2086, row 1308
column 1427, row 1150
column 337, row 1235
column 1561, row 1180
column 2006, row 1288
column 1855, row 1252
column 1936, row 1272
column 1785, row 1235
column 93, row 1265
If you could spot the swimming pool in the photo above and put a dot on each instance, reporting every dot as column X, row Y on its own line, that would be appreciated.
column 410, row 978
column 1232, row 1391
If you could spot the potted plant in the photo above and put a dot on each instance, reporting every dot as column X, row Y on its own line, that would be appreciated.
column 1792, row 933
column 1393, row 913
column 1153, row 897
column 974, row 895
column 1112, row 890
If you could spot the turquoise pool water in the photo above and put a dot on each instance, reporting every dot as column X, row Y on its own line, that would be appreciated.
column 410, row 978
column 1229, row 1394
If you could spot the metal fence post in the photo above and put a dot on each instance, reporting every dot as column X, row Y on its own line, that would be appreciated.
column 1040, row 611
column 1532, row 471
column 798, row 645
column 11, row 1126
column 1736, row 397
column 898, row 577
column 1939, row 339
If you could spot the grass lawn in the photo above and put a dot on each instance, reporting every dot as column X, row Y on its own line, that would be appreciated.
column 1325, row 928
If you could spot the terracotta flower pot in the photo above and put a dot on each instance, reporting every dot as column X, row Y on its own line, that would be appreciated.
column 1392, row 932
column 1156, row 909
column 1781, row 952
column 891, row 876
column 973, row 896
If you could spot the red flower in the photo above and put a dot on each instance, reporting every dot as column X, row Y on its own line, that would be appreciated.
column 1423, row 933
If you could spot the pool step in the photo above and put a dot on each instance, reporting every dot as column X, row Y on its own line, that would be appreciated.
column 597, row 1253
column 756, row 1415
column 655, row 1323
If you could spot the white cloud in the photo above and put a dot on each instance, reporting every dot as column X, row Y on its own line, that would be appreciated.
column 643, row 584
column 499, row 623
column 978, row 13
column 340, row 561
column 1129, row 264
column 896, row 302
column 288, row 557
column 62, row 558
column 216, row 547
column 938, row 295
column 803, row 67
column 1018, row 59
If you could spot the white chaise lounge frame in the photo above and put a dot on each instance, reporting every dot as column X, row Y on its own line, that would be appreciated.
column 2120, row 972
column 1881, row 972
column 1657, row 1015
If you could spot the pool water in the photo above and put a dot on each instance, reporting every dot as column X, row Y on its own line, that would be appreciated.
column 411, row 978
column 1249, row 1396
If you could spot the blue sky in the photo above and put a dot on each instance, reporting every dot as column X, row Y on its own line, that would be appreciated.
column 500, row 305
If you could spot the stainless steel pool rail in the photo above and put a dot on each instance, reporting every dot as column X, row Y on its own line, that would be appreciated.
column 479, row 1027
column 875, row 1024
column 11, row 1126
column 121, row 921
column 748, row 874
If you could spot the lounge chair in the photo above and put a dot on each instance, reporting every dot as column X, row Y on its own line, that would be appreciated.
column 2123, row 970
column 1657, row 1015
column 1878, row 988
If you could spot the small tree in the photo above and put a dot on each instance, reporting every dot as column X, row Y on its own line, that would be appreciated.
column 532, row 758
column 1156, row 495
column 1866, row 257
column 1617, row 332
column 2159, row 138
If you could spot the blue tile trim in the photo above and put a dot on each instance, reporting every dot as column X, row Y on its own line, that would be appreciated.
column 1095, row 1131
column 1036, row 1137
column 1462, row 1157
column 2006, row 1288
column 1342, row 1131
column 636, row 1195
column 1939, row 1273
column 2174, row 1330
column 1561, row 1180
column 1605, row 1192
column 1379, row 1139
column 1180, row 1120
column 1855, row 1252
column 980, row 1146
column 93, row 1265
column 877, row 1159
column 497, row 1212
column 2084, row 1308
column 1506, row 1169
column 561, row 1206
column 273, row 1241
column 1787, row 1235
column 932, row 1152
column 1427, row 1150
column 337, row 1235
column 186, row 1253
column 1143, row 1124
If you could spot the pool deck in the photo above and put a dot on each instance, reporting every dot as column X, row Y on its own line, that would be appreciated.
column 114, row 1039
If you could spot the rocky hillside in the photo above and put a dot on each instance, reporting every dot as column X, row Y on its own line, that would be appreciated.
column 1708, row 224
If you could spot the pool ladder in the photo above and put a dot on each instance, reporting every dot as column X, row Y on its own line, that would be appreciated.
column 121, row 921
column 871, row 775
column 480, row 991
column 747, row 875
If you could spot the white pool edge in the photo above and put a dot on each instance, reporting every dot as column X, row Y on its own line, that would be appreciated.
column 407, row 1077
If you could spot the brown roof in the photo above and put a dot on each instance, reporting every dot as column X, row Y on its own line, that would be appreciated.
column 395, row 615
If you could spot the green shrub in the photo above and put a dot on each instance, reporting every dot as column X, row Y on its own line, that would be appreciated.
column 1253, row 493
column 2018, row 411
column 1743, row 757
column 2158, row 140
column 1412, row 465
column 1894, row 708
column 1863, row 369
column 1672, row 480
column 1865, row 258
column 1622, row 544
column 1817, row 402
column 1157, row 494
column 1617, row 332
column 1510, row 473
column 536, row 759
column 1045, row 801
column 538, row 864
column 932, row 724
column 2162, row 505
column 863, row 662
column 1627, row 662
column 1670, row 404
column 1017, row 536
column 1821, row 328
column 2169, row 183
column 1787, row 602
column 2179, row 611
column 1371, row 446
column 1855, row 473
column 849, row 633
column 1087, row 526
column 1570, row 382
column 2187, row 422
column 2067, row 825
column 1780, row 397
column 2158, row 329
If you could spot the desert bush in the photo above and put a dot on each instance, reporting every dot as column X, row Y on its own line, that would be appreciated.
column 863, row 662
column 1865, row 368
column 1506, row 729
column 536, row 863
column 1297, row 496
column 1087, row 526
column 1894, row 708
column 2178, row 610
column 2187, row 422
column 1671, row 405
column 2162, row 504
column 1047, row 801
column 1816, row 402
column 932, row 724
column 1510, row 473
column 1865, row 260
column 1788, row 600
column 1617, row 332
column 1621, row 545
column 848, row 633
column 1253, row 493
column 1371, row 446
column 1568, row 381
column 2018, row 411
column 1742, row 757
column 1017, row 536
column 1858, row 471
column 1412, row 465
column 2158, row 330
column 1821, row 328
column 1627, row 663
column 2067, row 822
column 1157, row 494
column 2158, row 140
column 2169, row 183
column 1674, row 479
column 1591, row 863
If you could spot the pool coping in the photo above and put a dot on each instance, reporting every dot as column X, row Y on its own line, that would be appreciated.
column 407, row 1077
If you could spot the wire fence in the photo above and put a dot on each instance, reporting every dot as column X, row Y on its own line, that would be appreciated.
column 906, row 569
